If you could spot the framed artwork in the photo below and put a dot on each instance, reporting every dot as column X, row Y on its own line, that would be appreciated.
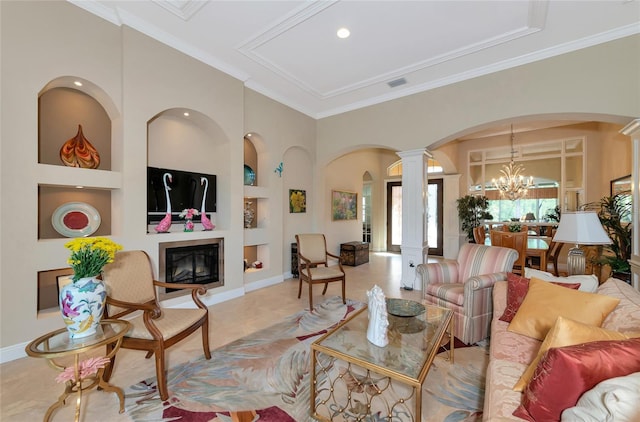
column 344, row 205
column 297, row 200
column 621, row 185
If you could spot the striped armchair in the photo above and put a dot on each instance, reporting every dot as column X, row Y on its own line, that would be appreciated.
column 465, row 286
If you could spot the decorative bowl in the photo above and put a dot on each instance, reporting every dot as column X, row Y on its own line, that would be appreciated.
column 249, row 176
column 404, row 307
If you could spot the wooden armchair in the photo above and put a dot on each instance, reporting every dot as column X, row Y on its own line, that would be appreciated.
column 131, row 291
column 313, row 264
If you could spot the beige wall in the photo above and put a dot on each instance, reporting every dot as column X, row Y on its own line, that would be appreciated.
column 147, row 79
column 286, row 136
column 136, row 78
column 598, row 83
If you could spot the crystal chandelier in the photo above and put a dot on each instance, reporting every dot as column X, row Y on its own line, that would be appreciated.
column 512, row 184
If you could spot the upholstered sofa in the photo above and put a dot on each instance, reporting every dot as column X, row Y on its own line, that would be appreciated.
column 511, row 354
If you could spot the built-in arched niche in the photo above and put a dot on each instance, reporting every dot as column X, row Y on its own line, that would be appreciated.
column 70, row 110
column 189, row 141
column 256, row 207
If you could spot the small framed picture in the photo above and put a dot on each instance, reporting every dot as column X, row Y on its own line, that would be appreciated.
column 344, row 205
column 297, row 200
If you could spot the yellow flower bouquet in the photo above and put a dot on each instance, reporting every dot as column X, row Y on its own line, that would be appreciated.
column 90, row 254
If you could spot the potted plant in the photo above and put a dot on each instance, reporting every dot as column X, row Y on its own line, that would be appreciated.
column 614, row 213
column 472, row 210
column 553, row 215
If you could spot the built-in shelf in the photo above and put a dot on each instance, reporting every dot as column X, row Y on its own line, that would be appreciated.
column 52, row 175
column 255, row 192
column 257, row 243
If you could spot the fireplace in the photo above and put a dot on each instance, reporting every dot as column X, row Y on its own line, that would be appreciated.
column 192, row 262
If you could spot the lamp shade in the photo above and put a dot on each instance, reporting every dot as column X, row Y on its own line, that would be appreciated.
column 581, row 228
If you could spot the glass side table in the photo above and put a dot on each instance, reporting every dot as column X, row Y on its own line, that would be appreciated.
column 58, row 344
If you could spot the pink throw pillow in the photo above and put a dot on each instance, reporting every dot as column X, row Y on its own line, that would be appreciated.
column 565, row 373
column 517, row 288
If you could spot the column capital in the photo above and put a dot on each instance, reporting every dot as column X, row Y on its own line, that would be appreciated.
column 414, row 152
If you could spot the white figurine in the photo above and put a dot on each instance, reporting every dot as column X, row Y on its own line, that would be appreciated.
column 378, row 319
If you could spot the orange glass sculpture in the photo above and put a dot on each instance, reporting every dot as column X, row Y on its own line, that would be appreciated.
column 78, row 152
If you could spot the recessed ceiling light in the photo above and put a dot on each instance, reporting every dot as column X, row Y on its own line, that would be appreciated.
column 77, row 83
column 343, row 33
column 186, row 114
column 79, row 187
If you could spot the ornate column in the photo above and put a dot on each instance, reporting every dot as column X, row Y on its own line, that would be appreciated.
column 414, row 246
column 633, row 130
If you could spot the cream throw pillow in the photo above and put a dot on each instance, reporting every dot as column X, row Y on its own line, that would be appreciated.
column 588, row 282
column 613, row 400
column 545, row 302
column 566, row 332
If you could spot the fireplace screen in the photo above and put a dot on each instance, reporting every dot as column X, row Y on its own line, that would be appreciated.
column 197, row 264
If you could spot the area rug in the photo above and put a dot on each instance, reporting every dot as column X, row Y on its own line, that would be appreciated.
column 265, row 377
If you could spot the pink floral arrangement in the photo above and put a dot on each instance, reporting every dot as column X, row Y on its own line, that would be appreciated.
column 189, row 213
column 87, row 367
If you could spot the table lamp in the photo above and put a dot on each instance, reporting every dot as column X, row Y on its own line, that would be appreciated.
column 580, row 228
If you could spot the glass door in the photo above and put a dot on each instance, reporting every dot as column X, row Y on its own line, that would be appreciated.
column 394, row 216
column 435, row 217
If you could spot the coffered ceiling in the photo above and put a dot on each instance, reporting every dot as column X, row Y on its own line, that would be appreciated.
column 289, row 51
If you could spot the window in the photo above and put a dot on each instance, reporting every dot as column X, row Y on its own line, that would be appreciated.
column 557, row 169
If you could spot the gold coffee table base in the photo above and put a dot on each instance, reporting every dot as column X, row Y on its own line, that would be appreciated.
column 352, row 379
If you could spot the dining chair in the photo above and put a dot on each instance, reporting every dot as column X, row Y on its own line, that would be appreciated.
column 552, row 257
column 513, row 240
column 131, row 291
column 479, row 235
column 507, row 227
column 313, row 265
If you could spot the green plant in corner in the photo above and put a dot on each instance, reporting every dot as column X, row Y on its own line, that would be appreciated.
column 472, row 210
column 553, row 214
column 614, row 213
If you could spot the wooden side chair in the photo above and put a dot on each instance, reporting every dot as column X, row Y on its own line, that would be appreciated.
column 507, row 227
column 552, row 259
column 479, row 235
column 131, row 291
column 513, row 240
column 313, row 265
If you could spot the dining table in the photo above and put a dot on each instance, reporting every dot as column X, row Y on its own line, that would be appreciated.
column 537, row 246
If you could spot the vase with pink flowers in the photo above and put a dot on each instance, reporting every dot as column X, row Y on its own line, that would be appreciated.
column 188, row 214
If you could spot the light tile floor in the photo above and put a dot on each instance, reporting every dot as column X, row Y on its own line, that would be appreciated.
column 28, row 385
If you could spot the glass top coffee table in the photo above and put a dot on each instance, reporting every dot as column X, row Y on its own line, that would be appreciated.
column 352, row 379
column 59, row 345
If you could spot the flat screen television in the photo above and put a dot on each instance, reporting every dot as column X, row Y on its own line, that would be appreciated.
column 186, row 191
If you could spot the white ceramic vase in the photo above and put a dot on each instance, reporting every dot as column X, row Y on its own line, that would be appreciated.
column 82, row 305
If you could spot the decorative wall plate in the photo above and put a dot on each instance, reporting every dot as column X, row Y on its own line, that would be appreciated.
column 75, row 219
column 249, row 176
column 404, row 308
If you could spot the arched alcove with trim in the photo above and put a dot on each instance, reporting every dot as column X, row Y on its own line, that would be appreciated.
column 188, row 140
column 76, row 178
